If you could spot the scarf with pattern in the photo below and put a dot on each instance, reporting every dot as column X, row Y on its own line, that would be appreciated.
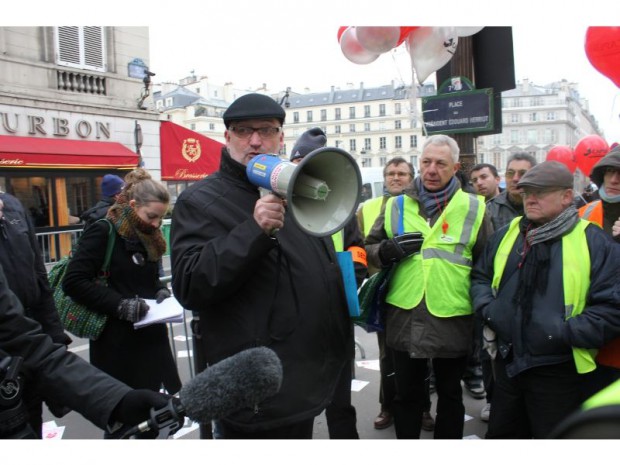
column 435, row 201
column 133, row 229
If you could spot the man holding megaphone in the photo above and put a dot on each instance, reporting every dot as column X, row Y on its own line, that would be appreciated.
column 257, row 278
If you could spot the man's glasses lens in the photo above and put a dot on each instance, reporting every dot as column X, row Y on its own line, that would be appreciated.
column 245, row 132
column 511, row 173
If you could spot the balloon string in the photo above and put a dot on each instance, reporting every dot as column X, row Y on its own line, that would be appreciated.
column 416, row 117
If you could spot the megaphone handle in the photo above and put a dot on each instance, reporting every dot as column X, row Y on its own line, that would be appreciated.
column 263, row 192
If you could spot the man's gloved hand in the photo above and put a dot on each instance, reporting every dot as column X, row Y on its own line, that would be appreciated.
column 399, row 247
column 162, row 294
column 135, row 406
column 132, row 309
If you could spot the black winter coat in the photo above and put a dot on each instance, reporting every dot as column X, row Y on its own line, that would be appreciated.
column 141, row 358
column 548, row 337
column 21, row 258
column 50, row 369
column 254, row 290
column 98, row 211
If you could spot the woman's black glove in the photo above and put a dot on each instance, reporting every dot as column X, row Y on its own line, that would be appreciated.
column 395, row 249
column 132, row 309
column 136, row 405
column 162, row 294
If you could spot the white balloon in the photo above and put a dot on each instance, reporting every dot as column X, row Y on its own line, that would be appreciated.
column 378, row 39
column 431, row 48
column 353, row 50
column 467, row 31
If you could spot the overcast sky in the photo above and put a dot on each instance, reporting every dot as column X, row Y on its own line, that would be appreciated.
column 293, row 43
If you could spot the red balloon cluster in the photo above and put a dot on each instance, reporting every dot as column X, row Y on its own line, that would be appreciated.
column 603, row 51
column 564, row 154
column 587, row 153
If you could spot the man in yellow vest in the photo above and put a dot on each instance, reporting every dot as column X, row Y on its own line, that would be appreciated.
column 340, row 413
column 398, row 175
column 547, row 285
column 605, row 212
column 427, row 307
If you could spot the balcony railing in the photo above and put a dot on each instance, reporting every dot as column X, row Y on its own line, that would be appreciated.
column 73, row 81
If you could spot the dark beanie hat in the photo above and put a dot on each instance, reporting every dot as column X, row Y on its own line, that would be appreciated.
column 547, row 174
column 310, row 140
column 111, row 185
column 611, row 160
column 253, row 106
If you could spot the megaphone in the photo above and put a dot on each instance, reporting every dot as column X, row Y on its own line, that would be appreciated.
column 322, row 192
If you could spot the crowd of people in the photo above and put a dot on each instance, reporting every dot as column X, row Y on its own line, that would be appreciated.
column 513, row 292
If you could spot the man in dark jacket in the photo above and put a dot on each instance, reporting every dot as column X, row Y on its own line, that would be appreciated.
column 21, row 257
column 111, row 186
column 63, row 376
column 547, row 285
column 508, row 204
column 257, row 279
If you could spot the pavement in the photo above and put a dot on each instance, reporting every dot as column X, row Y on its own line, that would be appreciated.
column 365, row 396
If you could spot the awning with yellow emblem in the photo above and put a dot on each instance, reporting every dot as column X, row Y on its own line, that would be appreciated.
column 187, row 155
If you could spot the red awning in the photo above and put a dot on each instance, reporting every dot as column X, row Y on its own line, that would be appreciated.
column 187, row 155
column 35, row 152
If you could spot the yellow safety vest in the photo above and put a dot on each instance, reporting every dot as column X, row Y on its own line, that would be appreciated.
column 440, row 273
column 575, row 278
column 370, row 212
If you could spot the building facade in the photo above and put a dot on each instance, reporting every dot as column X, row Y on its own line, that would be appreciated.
column 73, row 106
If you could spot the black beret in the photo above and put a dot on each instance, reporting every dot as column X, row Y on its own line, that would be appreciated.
column 547, row 174
column 611, row 160
column 309, row 141
column 253, row 106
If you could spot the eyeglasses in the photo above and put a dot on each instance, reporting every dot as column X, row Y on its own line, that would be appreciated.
column 245, row 132
column 538, row 193
column 399, row 174
column 511, row 173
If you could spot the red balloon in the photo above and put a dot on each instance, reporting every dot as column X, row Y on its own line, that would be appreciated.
column 588, row 151
column 603, row 51
column 564, row 154
column 341, row 30
column 404, row 33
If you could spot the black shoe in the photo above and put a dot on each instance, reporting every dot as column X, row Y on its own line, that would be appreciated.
column 475, row 388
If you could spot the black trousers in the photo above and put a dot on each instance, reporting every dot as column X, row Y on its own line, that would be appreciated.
column 301, row 430
column 410, row 400
column 340, row 414
column 532, row 403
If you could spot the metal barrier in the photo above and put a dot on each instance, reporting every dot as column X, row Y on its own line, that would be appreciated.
column 53, row 244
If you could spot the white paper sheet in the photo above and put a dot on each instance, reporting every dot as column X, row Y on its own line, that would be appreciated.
column 170, row 310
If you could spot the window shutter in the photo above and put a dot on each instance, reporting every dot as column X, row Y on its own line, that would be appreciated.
column 81, row 47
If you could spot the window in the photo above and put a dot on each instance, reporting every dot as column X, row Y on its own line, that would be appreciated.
column 81, row 47
column 397, row 109
column 366, row 162
column 351, row 127
column 169, row 101
column 549, row 137
column 309, row 116
column 515, row 118
column 337, row 116
column 382, row 109
column 497, row 159
column 382, row 161
column 514, row 137
column 382, row 143
column 414, row 161
column 352, row 145
column 337, row 129
column 192, row 126
column 533, row 116
column 413, row 141
column 532, row 136
column 551, row 116
column 295, row 117
column 367, row 127
column 323, row 115
column 398, row 142
column 397, row 124
column 351, row 112
column 367, row 111
column 367, row 144
column 211, row 126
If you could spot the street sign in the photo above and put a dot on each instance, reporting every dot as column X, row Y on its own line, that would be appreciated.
column 459, row 112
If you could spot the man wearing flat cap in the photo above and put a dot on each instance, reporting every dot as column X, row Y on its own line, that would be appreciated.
column 605, row 212
column 253, row 287
column 547, row 285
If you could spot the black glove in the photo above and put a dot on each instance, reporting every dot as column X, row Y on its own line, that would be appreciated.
column 132, row 309
column 399, row 247
column 136, row 405
column 162, row 294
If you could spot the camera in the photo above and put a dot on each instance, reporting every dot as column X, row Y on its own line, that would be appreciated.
column 13, row 412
